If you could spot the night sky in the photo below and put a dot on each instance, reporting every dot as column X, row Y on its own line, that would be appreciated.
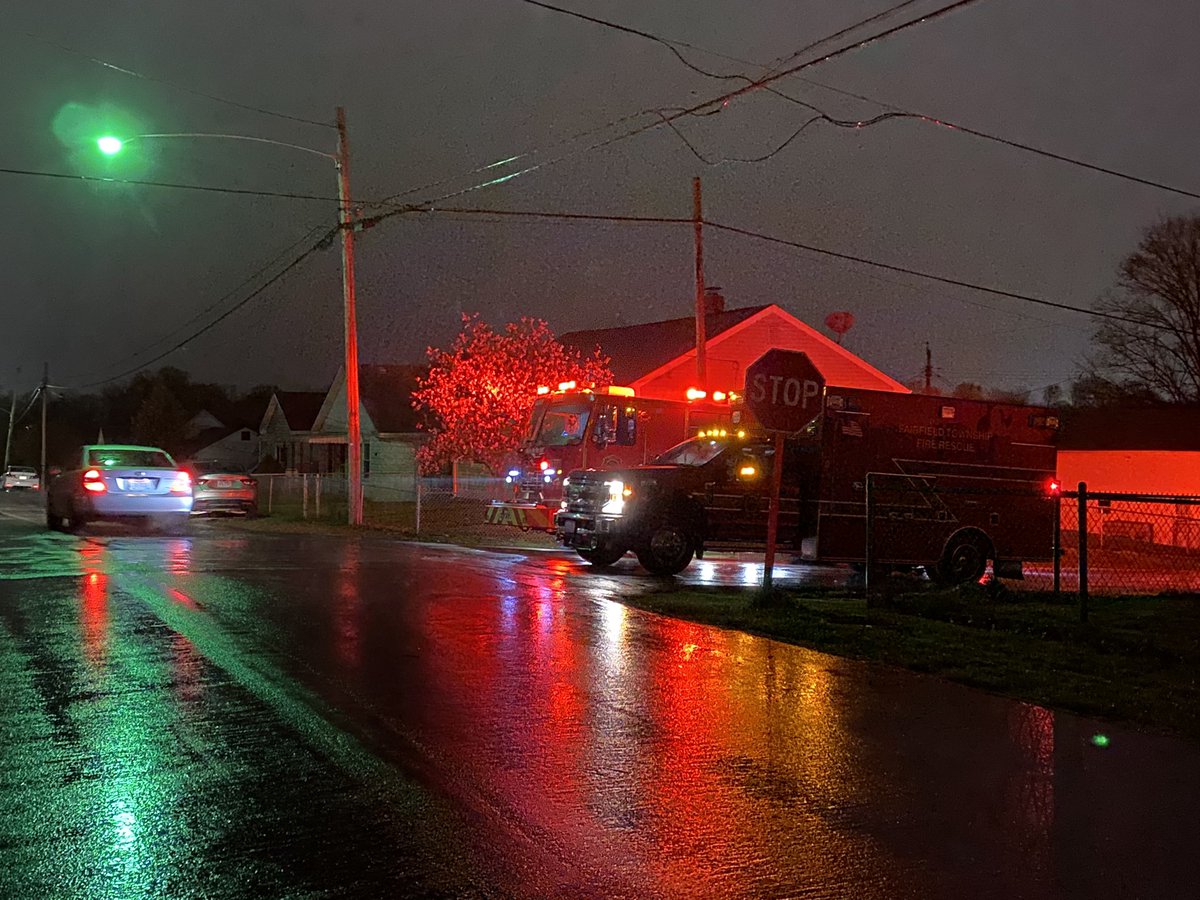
column 94, row 274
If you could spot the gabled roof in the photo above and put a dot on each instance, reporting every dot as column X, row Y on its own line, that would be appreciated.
column 202, row 439
column 386, row 393
column 300, row 408
column 636, row 350
column 1144, row 428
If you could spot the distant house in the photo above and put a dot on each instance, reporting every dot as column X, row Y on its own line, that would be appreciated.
column 1136, row 451
column 389, row 430
column 659, row 358
column 229, row 437
column 286, row 427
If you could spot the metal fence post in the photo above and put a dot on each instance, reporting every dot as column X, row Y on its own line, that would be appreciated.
column 304, row 496
column 869, row 553
column 1057, row 544
column 270, row 495
column 1083, row 553
column 417, row 528
column 317, row 481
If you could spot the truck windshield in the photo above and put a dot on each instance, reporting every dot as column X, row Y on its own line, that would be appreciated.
column 694, row 452
column 559, row 424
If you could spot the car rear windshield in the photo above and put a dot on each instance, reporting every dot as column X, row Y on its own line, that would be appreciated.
column 129, row 457
column 216, row 468
column 23, row 470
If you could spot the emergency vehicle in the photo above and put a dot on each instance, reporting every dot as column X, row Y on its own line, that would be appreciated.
column 956, row 483
column 579, row 427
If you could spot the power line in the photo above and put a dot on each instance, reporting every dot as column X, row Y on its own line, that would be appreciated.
column 745, row 232
column 320, row 244
column 680, row 112
column 250, row 279
column 174, row 84
column 167, row 184
column 895, row 112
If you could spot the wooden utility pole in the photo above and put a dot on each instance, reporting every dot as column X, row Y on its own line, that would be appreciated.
column 928, row 369
column 701, row 324
column 45, row 395
column 12, row 421
column 353, row 422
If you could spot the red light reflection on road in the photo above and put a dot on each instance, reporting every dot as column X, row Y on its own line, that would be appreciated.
column 93, row 606
column 347, row 614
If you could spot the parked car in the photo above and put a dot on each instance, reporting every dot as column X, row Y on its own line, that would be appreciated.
column 220, row 487
column 21, row 478
column 120, row 482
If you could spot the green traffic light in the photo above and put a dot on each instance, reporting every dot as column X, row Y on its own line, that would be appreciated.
column 109, row 145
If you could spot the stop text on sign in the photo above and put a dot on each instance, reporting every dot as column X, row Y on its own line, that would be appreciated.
column 780, row 390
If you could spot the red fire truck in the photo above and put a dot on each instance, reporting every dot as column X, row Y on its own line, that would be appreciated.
column 577, row 427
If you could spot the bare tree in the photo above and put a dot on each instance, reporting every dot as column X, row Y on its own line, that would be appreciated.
column 1155, row 344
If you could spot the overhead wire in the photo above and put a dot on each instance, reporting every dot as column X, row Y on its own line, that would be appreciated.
column 100, row 179
column 323, row 242
column 174, row 84
column 680, row 112
column 895, row 112
column 248, row 280
column 757, row 235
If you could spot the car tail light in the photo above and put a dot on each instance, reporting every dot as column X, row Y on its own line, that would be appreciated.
column 94, row 482
column 249, row 482
column 182, row 483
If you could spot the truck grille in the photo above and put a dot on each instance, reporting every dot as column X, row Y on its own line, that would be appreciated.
column 586, row 496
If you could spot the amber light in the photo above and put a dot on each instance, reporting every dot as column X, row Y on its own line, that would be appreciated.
column 748, row 471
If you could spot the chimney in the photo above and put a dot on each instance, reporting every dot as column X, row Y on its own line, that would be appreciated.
column 714, row 301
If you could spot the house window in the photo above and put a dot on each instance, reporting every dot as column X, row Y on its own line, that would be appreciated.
column 245, row 434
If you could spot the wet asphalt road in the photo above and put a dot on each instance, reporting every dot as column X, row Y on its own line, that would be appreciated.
column 253, row 715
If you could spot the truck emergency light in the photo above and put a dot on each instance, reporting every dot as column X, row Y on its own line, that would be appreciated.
column 543, row 389
column 696, row 394
column 618, row 391
column 566, row 385
column 720, row 396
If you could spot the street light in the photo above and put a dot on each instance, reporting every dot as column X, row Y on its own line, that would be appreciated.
column 111, row 145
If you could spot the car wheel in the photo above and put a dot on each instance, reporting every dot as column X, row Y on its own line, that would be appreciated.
column 667, row 549
column 602, row 555
column 963, row 560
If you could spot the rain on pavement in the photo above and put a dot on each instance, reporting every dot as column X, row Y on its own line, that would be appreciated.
column 246, row 714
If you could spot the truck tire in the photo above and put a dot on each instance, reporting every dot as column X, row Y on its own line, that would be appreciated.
column 964, row 559
column 602, row 555
column 667, row 549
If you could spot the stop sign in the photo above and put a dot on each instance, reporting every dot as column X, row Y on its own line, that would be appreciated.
column 784, row 390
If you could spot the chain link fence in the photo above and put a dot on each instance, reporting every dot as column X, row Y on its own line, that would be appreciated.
column 958, row 530
column 447, row 507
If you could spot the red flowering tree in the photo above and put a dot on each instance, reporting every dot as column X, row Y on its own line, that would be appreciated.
column 479, row 393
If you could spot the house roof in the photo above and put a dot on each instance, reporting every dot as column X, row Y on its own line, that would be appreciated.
column 635, row 350
column 300, row 408
column 200, row 440
column 386, row 393
column 1145, row 428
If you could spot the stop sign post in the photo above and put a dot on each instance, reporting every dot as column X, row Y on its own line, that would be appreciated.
column 785, row 392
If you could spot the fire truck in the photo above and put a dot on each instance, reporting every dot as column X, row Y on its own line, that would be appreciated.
column 574, row 427
column 956, row 484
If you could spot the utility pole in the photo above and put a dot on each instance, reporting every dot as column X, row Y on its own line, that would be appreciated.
column 12, row 416
column 928, row 369
column 701, row 325
column 45, row 393
column 353, row 421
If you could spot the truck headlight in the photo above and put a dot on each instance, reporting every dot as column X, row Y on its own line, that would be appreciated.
column 618, row 493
